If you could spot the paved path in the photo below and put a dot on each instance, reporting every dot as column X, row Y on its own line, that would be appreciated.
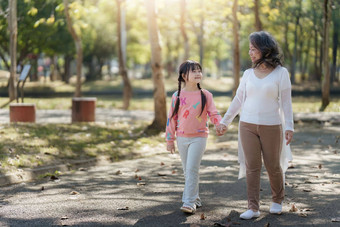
column 114, row 195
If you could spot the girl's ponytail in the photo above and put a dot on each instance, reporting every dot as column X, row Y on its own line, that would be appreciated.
column 180, row 79
column 203, row 98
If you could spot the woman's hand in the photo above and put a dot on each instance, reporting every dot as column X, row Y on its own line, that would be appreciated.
column 289, row 136
column 170, row 148
column 221, row 129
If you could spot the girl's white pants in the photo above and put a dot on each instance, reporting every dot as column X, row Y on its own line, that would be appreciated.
column 191, row 150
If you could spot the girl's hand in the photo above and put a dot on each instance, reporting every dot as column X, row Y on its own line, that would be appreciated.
column 221, row 129
column 171, row 148
column 289, row 136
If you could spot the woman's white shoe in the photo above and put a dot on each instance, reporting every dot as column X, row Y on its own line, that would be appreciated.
column 275, row 208
column 249, row 214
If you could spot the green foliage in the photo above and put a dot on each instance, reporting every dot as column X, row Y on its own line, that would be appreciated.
column 42, row 29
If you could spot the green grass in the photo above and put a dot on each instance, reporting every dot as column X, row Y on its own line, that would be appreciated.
column 34, row 145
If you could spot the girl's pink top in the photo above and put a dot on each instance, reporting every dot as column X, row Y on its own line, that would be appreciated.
column 188, row 122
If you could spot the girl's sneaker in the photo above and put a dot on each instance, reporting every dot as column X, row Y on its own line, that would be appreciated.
column 188, row 209
column 198, row 203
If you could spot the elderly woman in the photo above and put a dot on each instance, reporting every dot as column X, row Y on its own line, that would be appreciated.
column 264, row 96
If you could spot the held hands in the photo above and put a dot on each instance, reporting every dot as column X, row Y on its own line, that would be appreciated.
column 221, row 129
column 170, row 148
column 288, row 136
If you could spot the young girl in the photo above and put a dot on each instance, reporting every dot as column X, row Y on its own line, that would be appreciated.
column 188, row 119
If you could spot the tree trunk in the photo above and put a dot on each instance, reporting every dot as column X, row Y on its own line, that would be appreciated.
column 34, row 69
column 336, row 28
column 53, row 68
column 316, row 48
column 287, row 52
column 67, row 69
column 297, row 22
column 326, row 77
column 159, row 122
column 201, row 34
column 236, row 51
column 127, row 91
column 79, row 49
column 183, row 30
column 304, row 65
column 258, row 24
column 13, row 26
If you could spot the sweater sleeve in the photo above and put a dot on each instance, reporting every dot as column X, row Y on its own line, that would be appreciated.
column 286, row 100
column 214, row 115
column 171, row 123
column 236, row 103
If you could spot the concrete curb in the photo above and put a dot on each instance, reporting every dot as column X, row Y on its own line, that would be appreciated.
column 330, row 117
column 26, row 175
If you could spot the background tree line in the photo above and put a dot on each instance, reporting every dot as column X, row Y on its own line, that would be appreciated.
column 214, row 32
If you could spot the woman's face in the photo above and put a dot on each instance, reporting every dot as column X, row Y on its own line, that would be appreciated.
column 254, row 53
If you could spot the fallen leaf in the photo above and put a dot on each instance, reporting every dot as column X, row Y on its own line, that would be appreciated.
column 139, row 178
column 303, row 215
column 137, row 170
column 118, row 172
column 136, row 176
column 307, row 209
column 173, row 171
column 319, row 166
column 307, row 190
column 162, row 164
column 202, row 216
column 54, row 178
column 293, row 208
column 123, row 208
column 74, row 193
column 337, row 219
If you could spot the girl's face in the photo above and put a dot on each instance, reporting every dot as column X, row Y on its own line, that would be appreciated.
column 194, row 76
column 254, row 53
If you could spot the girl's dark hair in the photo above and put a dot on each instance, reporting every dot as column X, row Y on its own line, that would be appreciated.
column 184, row 70
column 270, row 51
